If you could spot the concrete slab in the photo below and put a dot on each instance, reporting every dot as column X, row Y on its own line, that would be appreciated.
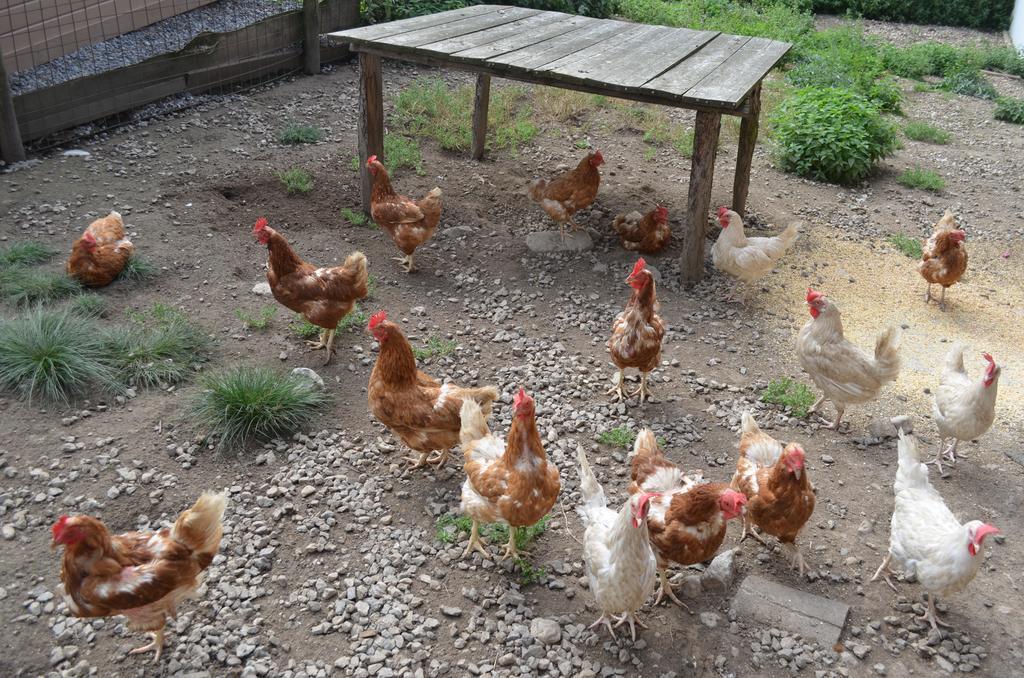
column 815, row 618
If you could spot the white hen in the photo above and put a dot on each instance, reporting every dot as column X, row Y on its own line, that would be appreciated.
column 963, row 409
column 925, row 537
column 617, row 550
column 844, row 373
column 747, row 258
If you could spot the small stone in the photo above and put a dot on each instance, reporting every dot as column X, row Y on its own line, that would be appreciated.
column 827, row 459
column 451, row 611
column 709, row 619
column 879, row 669
column 8, row 532
column 309, row 375
column 691, row 587
column 307, row 490
column 860, row 651
column 261, row 289
column 546, row 630
column 418, row 310
column 720, row 572
column 244, row 649
column 552, row 241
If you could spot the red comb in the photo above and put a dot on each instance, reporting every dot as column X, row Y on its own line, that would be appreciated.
column 58, row 527
column 377, row 319
column 813, row 294
column 260, row 224
column 722, row 210
column 88, row 236
column 520, row 398
column 372, row 159
column 639, row 266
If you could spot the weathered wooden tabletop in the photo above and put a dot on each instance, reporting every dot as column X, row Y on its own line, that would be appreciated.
column 675, row 66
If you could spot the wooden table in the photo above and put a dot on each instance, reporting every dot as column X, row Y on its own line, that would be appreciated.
column 713, row 73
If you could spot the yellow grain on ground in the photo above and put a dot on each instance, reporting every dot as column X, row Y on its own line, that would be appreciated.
column 985, row 311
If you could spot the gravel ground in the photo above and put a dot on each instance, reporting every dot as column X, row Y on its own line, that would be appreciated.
column 168, row 35
column 331, row 562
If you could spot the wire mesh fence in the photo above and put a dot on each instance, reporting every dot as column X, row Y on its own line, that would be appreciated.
column 71, row 62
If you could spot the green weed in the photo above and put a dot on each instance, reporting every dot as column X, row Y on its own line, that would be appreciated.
column 790, row 394
column 924, row 179
column 910, row 247
column 24, row 253
column 296, row 180
column 27, row 286
column 303, row 328
column 436, row 348
column 922, row 131
column 401, row 152
column 259, row 321
column 1010, row 110
column 299, row 134
column 137, row 269
column 620, row 436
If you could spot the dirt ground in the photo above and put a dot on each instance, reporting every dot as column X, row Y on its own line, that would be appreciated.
column 191, row 185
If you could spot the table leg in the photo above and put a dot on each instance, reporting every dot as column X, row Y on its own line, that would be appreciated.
column 371, row 119
column 702, row 170
column 745, row 153
column 480, row 105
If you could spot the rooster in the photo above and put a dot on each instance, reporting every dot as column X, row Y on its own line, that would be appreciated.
column 569, row 192
column 418, row 409
column 747, row 258
column 844, row 373
column 637, row 333
column 964, row 409
column 925, row 537
column 617, row 550
column 101, row 253
column 648, row 233
column 508, row 482
column 780, row 499
column 688, row 515
column 322, row 295
column 409, row 223
column 143, row 576
column 944, row 257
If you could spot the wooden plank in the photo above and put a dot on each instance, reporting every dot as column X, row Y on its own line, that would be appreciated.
column 371, row 119
column 453, row 29
column 698, row 200
column 679, row 79
column 311, row 37
column 481, row 102
column 632, row 68
column 485, row 37
column 575, row 64
column 734, row 78
column 558, row 47
column 247, row 70
column 745, row 153
column 368, row 34
column 11, row 148
column 525, row 38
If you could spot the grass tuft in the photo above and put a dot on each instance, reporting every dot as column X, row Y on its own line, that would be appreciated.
column 137, row 269
column 620, row 436
column 54, row 355
column 356, row 320
column 401, row 152
column 158, row 348
column 87, row 305
column 357, row 218
column 299, row 134
column 910, row 247
column 259, row 321
column 242, row 404
column 922, row 131
column 296, row 180
column 927, row 180
column 789, row 393
column 24, row 253
column 436, row 348
column 26, row 286
column 303, row 328
column 1009, row 109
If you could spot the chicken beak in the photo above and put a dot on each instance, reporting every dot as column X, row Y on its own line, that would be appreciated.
column 798, row 472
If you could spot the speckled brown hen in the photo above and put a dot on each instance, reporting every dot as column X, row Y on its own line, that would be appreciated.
column 569, row 192
column 510, row 482
column 637, row 333
column 101, row 253
column 943, row 257
column 648, row 233
column 408, row 222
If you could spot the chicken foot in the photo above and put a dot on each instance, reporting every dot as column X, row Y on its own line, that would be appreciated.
column 157, row 645
column 949, row 452
column 888, row 571
column 666, row 590
column 748, row 530
column 605, row 619
column 643, row 391
column 423, row 460
column 931, row 615
column 941, row 300
column 407, row 263
column 511, row 550
column 796, row 558
column 475, row 542
column 618, row 391
column 633, row 620
column 326, row 341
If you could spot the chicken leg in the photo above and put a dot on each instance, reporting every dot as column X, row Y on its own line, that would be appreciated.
column 666, row 590
column 643, row 391
column 817, row 403
column 796, row 558
column 950, row 453
column 326, row 341
column 618, row 390
column 475, row 542
column 407, row 263
column 633, row 620
column 605, row 619
column 423, row 460
column 156, row 644
column 748, row 529
column 511, row 551
column 931, row 615
column 885, row 567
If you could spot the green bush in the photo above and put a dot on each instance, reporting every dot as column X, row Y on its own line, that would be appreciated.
column 53, row 354
column 242, row 403
column 831, row 135
column 1010, row 110
column 986, row 14
column 789, row 393
column 910, row 247
column 969, row 83
column 296, row 180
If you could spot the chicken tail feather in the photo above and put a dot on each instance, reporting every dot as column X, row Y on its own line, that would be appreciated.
column 788, row 236
column 484, row 396
column 887, row 354
column 590, row 489
column 474, row 422
column 910, row 472
column 646, row 445
column 748, row 425
column 200, row 527
column 356, row 262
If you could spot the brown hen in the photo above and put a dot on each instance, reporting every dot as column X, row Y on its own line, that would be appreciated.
column 944, row 257
column 409, row 223
column 101, row 253
column 637, row 333
column 648, row 233
column 569, row 192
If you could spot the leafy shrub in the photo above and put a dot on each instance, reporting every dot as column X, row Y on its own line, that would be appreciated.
column 24, row 253
column 620, row 436
column 969, row 83
column 296, row 180
column 922, row 131
column 53, row 354
column 831, row 135
column 1010, row 110
column 243, row 403
column 25, row 286
column 986, row 14
column 259, row 321
column 923, row 179
column 299, row 134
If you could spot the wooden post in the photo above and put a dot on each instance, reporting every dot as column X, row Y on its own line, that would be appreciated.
column 745, row 154
column 311, row 36
column 10, row 137
column 702, row 171
column 480, row 104
column 371, row 119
